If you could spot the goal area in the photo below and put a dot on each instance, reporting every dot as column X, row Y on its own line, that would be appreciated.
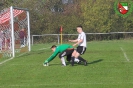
column 14, row 31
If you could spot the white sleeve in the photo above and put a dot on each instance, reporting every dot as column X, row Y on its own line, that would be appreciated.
column 81, row 36
column 78, row 37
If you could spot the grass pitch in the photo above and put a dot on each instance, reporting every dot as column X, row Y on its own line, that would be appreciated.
column 110, row 66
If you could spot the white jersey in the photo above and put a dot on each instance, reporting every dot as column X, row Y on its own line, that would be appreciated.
column 83, row 37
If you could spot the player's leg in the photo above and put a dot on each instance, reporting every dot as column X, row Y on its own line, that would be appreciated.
column 61, row 56
column 21, row 44
column 63, row 61
column 68, row 57
column 73, row 57
column 77, row 55
column 0, row 44
column 80, row 50
column 69, row 54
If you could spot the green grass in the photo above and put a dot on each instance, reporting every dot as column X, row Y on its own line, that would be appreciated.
column 107, row 68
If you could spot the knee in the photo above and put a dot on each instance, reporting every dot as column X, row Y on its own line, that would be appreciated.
column 77, row 55
column 74, row 53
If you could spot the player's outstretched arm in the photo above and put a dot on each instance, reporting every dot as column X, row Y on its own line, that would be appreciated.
column 51, row 57
column 73, row 40
column 78, row 42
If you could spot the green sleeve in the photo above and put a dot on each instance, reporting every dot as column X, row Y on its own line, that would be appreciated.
column 52, row 56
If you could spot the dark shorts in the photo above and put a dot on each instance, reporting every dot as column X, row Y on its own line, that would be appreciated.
column 67, row 53
column 81, row 49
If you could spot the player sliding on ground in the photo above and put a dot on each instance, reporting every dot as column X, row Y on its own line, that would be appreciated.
column 64, row 50
column 81, row 42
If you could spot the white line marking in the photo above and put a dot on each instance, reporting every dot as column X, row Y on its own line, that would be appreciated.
column 6, row 61
column 56, row 84
column 125, row 55
column 18, row 56
column 22, row 54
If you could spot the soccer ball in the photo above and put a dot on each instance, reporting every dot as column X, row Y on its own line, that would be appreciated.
column 46, row 64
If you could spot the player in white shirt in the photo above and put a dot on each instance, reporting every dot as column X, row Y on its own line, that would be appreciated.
column 81, row 42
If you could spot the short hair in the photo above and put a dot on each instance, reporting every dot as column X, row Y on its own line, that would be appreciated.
column 53, row 46
column 80, row 26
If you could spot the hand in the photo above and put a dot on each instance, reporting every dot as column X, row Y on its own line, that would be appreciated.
column 70, row 40
column 74, row 44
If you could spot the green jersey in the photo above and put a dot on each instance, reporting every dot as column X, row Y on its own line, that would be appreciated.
column 58, row 50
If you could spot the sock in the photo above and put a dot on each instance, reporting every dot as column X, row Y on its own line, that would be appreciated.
column 76, row 60
column 63, row 61
column 72, row 63
column 81, row 59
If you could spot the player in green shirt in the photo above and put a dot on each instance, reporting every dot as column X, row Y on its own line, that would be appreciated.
column 64, row 50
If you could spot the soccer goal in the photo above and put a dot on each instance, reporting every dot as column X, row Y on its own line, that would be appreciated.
column 14, row 31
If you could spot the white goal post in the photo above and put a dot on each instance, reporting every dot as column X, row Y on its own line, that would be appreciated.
column 57, row 36
column 12, row 21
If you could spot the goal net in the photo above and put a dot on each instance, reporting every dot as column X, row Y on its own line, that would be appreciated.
column 14, row 31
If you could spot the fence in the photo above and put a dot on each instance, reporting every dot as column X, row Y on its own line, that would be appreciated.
column 90, row 36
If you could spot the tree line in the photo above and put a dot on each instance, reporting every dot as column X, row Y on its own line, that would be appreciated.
column 46, row 16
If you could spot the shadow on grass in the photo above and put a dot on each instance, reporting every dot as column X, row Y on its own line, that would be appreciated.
column 96, row 61
column 82, row 63
column 67, row 64
column 76, row 64
column 54, row 64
